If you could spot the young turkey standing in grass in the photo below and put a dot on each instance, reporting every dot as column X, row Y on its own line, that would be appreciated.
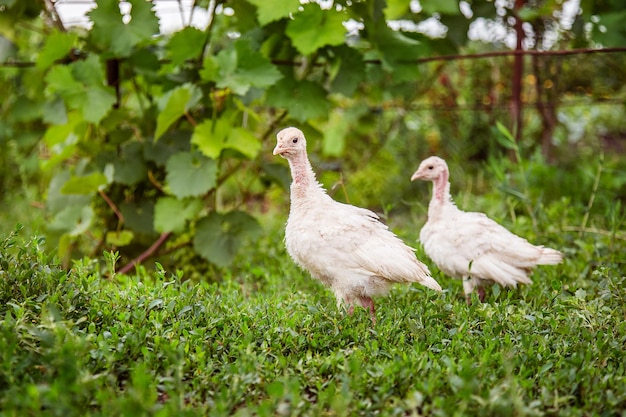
column 471, row 246
column 345, row 247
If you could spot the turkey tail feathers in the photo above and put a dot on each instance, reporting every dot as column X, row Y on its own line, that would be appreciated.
column 430, row 283
column 550, row 257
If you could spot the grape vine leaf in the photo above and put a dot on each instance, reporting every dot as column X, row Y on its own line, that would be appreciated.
column 57, row 134
column 89, row 71
column 129, row 165
column 143, row 21
column 302, row 99
column 337, row 128
column 110, row 32
column 254, row 66
column 60, row 80
column 394, row 46
column 138, row 215
column 57, row 200
column 171, row 214
column 210, row 136
column 84, row 184
column 108, row 25
column 185, row 44
column 145, row 61
column 119, row 238
column 54, row 112
column 271, row 10
column 246, row 14
column 169, row 144
column 81, row 86
column 62, row 139
column 97, row 98
column 239, row 68
column 396, row 9
column 190, row 174
column 244, row 142
column 174, row 104
column 56, row 46
column 83, row 222
column 98, row 101
column 219, row 236
column 350, row 70
column 313, row 28
column 74, row 220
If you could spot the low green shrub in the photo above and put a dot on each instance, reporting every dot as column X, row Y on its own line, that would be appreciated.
column 268, row 340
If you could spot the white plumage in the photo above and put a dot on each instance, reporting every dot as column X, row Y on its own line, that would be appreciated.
column 471, row 246
column 345, row 247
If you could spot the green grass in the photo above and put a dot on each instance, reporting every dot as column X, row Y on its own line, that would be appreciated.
column 267, row 340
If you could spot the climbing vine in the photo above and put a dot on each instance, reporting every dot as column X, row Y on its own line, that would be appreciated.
column 143, row 136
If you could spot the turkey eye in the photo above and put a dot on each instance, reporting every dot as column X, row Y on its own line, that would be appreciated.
column 295, row 140
column 430, row 167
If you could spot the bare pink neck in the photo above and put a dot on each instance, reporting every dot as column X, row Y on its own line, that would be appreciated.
column 304, row 179
column 441, row 188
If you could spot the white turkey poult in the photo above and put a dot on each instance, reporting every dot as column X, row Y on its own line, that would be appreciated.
column 471, row 246
column 346, row 247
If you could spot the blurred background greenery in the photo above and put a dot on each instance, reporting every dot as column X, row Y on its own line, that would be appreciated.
column 119, row 135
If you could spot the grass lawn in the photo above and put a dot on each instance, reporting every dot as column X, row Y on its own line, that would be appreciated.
column 267, row 340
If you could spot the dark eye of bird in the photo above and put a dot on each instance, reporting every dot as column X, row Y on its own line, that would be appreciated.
column 295, row 140
column 430, row 167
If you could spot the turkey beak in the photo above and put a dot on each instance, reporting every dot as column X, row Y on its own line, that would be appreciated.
column 278, row 150
column 416, row 176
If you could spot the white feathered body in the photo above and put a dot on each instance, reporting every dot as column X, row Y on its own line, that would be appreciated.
column 466, row 244
column 345, row 247
column 348, row 248
column 470, row 245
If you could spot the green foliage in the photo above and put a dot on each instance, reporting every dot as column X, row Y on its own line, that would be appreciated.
column 606, row 19
column 81, row 86
column 184, row 45
column 314, row 28
column 269, row 340
column 239, row 68
column 171, row 214
column 144, row 134
column 112, row 36
column 292, row 95
column 175, row 104
column 56, row 47
column 219, row 236
column 190, row 175
column 131, row 134
column 271, row 10
column 380, row 182
column 443, row 7
column 85, row 184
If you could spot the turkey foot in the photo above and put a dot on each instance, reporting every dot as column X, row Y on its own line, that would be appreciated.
column 481, row 294
column 368, row 303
